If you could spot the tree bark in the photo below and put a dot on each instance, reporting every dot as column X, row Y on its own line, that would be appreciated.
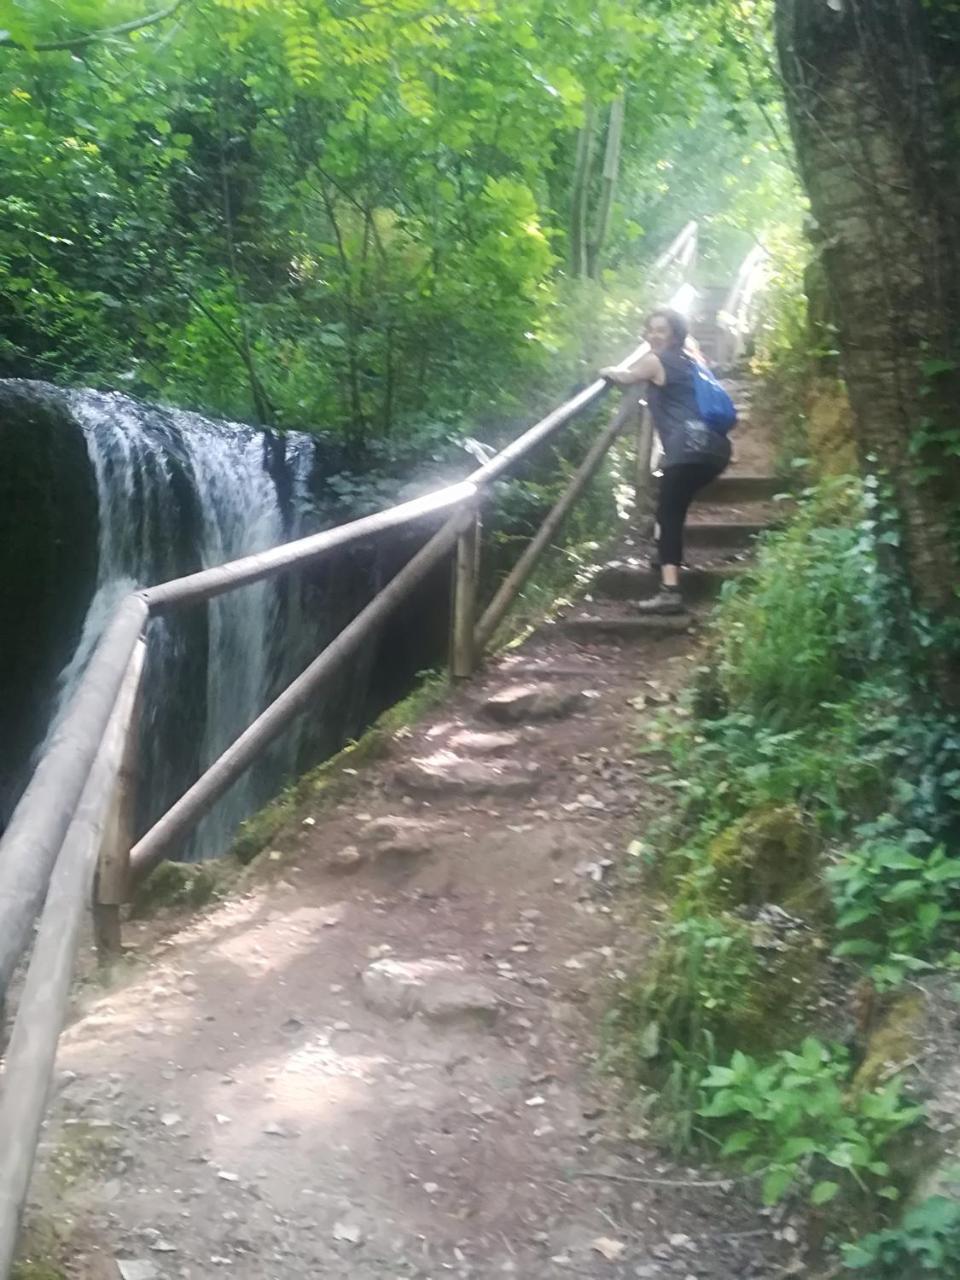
column 872, row 93
column 608, row 187
column 580, row 195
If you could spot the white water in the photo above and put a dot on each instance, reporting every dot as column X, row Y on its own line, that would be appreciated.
column 135, row 452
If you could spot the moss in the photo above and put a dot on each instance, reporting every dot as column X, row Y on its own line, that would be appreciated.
column 769, row 855
column 775, row 1013
column 892, row 1043
column 44, row 1243
column 830, row 432
column 178, row 884
column 82, row 1150
column 258, row 831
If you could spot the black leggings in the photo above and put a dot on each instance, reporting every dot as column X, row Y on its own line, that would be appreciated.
column 678, row 487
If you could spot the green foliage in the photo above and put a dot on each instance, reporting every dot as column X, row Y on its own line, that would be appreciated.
column 803, row 627
column 814, row 787
column 793, row 1120
column 894, row 895
column 700, row 980
column 354, row 216
column 925, row 1243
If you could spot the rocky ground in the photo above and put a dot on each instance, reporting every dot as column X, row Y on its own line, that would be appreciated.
column 380, row 1060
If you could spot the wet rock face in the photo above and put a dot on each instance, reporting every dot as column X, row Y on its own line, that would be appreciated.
column 48, row 563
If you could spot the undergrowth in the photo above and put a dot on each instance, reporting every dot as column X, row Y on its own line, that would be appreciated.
column 809, row 856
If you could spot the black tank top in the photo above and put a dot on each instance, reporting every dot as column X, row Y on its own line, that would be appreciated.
column 684, row 437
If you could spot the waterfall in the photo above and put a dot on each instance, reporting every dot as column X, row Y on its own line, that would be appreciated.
column 175, row 487
column 103, row 493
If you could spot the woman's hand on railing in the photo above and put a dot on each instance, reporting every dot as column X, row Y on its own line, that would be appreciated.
column 622, row 377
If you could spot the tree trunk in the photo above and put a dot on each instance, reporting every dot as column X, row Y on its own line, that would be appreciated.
column 580, row 195
column 872, row 92
column 608, row 187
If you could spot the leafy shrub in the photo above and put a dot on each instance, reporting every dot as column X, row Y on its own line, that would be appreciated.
column 893, row 895
column 926, row 1243
column 796, row 1123
column 700, row 979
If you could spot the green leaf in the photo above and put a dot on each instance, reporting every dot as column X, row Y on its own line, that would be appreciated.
column 775, row 1185
column 737, row 1142
column 936, row 366
column 857, row 947
column 824, row 1192
column 856, row 1258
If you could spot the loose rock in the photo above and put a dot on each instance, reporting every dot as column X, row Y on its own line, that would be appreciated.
column 136, row 1269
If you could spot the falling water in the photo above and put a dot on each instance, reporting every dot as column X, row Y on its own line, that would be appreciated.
column 171, row 484
column 240, row 514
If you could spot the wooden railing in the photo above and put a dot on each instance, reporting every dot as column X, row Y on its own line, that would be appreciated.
column 72, row 829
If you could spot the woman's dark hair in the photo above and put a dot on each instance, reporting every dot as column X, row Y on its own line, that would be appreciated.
column 678, row 324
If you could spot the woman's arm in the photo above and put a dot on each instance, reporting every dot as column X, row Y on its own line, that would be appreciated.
column 647, row 369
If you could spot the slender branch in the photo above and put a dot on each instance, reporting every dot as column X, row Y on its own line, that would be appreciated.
column 262, row 403
column 91, row 37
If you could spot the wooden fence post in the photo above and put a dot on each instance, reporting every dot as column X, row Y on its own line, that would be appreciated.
column 112, row 883
column 643, row 481
column 463, row 655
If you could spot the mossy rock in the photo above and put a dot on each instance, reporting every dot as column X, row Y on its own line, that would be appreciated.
column 892, row 1043
column 177, row 884
column 769, row 855
column 775, row 1012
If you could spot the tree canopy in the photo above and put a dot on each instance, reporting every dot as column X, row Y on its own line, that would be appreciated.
column 359, row 213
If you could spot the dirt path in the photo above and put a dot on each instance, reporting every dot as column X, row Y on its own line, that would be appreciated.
column 379, row 1062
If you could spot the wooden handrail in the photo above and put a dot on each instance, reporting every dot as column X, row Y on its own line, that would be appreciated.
column 238, row 757
column 31, row 842
column 33, row 1046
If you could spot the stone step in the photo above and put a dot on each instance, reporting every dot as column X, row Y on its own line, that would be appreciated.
column 633, row 582
column 712, row 533
column 445, row 773
column 735, row 489
column 629, row 627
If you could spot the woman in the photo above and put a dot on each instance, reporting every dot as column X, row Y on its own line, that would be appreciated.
column 693, row 453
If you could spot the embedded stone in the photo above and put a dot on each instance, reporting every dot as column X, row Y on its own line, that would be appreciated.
column 445, row 772
column 523, row 702
column 347, row 859
column 438, row 990
column 398, row 837
column 470, row 742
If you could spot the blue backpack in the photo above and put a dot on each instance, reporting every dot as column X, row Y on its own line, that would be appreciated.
column 713, row 404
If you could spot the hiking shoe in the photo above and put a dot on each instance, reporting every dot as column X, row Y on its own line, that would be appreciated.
column 665, row 601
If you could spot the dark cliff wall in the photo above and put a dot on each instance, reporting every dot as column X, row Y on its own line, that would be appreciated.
column 48, row 564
